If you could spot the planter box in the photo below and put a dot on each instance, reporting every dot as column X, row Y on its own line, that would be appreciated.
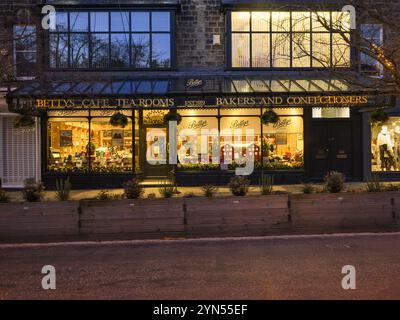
column 137, row 218
column 233, row 216
column 42, row 219
column 344, row 210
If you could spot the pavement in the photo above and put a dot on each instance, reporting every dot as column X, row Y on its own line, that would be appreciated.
column 290, row 267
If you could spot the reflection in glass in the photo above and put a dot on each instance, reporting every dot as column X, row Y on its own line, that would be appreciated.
column 59, row 50
column 280, row 49
column 61, row 22
column 100, row 50
column 240, row 21
column 240, row 50
column 79, row 50
column 140, row 50
column 79, row 21
column 260, row 21
column 261, row 44
column 140, row 21
column 99, row 22
column 120, row 50
column 120, row 21
column 160, row 21
column 161, row 53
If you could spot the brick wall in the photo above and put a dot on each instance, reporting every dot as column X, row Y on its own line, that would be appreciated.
column 196, row 24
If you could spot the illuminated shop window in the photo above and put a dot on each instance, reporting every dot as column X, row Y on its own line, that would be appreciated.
column 264, row 39
column 385, row 145
column 283, row 144
column 68, row 144
column 330, row 113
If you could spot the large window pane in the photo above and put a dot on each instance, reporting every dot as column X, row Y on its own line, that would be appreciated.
column 79, row 50
column 113, row 146
column 281, row 50
column 281, row 21
column 321, row 21
column 59, row 50
column 301, row 50
column 25, row 51
column 61, row 22
column 240, row 21
column 68, row 141
column 260, row 21
column 161, row 53
column 261, row 50
column 321, row 49
column 79, row 21
column 340, row 50
column 100, row 50
column 140, row 50
column 283, row 144
column 120, row 21
column 240, row 50
column 385, row 145
column 99, row 22
column 140, row 21
column 120, row 50
column 301, row 21
column 160, row 21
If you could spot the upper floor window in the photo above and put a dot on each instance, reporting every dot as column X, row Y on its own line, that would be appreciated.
column 25, row 51
column 372, row 37
column 111, row 40
column 265, row 39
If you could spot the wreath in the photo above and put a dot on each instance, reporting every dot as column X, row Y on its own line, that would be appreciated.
column 172, row 116
column 24, row 121
column 269, row 116
column 119, row 120
column 379, row 116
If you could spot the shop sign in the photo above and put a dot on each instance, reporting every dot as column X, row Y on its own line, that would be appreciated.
column 263, row 101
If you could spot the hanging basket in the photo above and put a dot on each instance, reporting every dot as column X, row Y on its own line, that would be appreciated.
column 269, row 116
column 119, row 120
column 172, row 116
column 379, row 116
column 23, row 121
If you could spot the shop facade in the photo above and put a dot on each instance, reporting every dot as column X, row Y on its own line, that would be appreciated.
column 221, row 67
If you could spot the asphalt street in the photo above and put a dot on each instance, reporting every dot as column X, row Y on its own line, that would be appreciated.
column 297, row 267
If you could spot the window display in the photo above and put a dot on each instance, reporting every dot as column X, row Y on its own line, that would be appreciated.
column 283, row 143
column 385, row 145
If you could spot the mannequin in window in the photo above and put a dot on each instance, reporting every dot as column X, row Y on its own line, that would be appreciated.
column 385, row 149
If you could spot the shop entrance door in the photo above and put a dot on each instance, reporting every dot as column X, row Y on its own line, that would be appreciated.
column 155, row 156
column 331, row 148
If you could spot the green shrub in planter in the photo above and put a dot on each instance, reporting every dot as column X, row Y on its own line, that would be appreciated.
column 266, row 184
column 24, row 121
column 209, row 190
column 133, row 189
column 167, row 190
column 33, row 191
column 239, row 186
column 172, row 116
column 63, row 187
column 4, row 198
column 334, row 182
column 374, row 184
column 119, row 120
column 269, row 116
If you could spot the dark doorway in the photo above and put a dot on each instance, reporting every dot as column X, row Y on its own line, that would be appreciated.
column 154, row 151
column 331, row 147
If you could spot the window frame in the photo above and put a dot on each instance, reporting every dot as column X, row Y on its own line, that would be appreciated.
column 130, row 32
column 229, row 33
column 15, row 51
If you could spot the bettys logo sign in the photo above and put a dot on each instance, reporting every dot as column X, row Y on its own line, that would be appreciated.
column 236, row 124
column 194, row 83
column 197, row 124
column 282, row 123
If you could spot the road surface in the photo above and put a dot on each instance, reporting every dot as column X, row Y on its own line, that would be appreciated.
column 297, row 267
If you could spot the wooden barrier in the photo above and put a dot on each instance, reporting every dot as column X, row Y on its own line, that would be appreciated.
column 43, row 219
column 233, row 216
column 133, row 218
column 344, row 210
